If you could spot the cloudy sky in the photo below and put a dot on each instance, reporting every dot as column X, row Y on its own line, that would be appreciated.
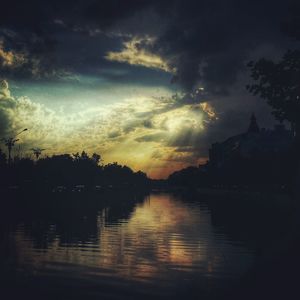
column 146, row 83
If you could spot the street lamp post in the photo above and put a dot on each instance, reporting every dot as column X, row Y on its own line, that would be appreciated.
column 10, row 142
column 37, row 152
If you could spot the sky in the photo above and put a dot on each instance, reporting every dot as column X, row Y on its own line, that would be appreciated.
column 146, row 83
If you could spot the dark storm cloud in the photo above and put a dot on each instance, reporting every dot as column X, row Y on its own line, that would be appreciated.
column 109, row 12
column 206, row 41
column 210, row 40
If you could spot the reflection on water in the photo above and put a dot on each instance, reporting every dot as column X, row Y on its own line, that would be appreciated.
column 161, row 241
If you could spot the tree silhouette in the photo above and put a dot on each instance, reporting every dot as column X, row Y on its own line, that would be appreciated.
column 70, row 171
column 279, row 84
column 2, row 157
column 97, row 158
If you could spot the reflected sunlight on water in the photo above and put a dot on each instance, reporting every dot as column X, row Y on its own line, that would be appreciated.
column 162, row 241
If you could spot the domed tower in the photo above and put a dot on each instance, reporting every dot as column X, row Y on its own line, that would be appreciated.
column 253, row 127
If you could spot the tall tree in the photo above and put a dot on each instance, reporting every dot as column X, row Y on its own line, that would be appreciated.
column 279, row 83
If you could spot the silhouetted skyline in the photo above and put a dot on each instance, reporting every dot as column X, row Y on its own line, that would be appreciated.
column 150, row 84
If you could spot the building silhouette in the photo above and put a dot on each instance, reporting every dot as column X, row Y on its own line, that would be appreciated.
column 256, row 142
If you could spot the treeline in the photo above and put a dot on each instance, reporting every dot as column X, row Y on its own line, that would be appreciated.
column 69, row 170
column 277, row 172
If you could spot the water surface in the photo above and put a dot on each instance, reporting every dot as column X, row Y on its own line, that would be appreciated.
column 158, row 246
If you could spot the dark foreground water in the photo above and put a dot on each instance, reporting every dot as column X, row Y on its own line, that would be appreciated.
column 128, row 247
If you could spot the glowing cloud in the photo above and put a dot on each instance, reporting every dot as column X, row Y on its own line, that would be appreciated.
column 11, row 59
column 153, row 134
column 207, row 108
column 135, row 53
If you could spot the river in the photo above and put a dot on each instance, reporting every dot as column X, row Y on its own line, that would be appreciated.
column 157, row 246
